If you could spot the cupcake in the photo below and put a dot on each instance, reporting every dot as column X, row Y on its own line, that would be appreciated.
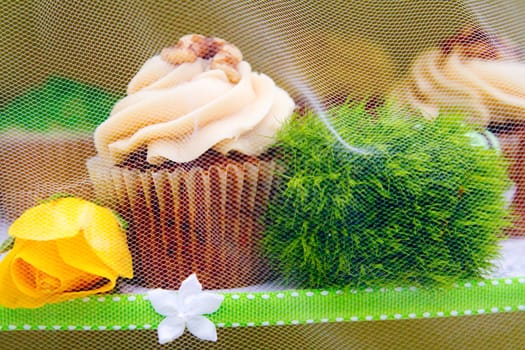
column 185, row 159
column 483, row 77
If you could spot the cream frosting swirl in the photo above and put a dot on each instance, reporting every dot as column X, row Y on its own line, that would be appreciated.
column 487, row 86
column 179, row 111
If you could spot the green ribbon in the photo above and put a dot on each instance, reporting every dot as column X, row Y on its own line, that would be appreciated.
column 241, row 309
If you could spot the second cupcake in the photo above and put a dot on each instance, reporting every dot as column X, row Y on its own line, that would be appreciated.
column 184, row 158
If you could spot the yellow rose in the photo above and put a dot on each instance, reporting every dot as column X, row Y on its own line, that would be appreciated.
column 64, row 249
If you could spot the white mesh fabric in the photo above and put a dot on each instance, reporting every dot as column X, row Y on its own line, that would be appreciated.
column 65, row 65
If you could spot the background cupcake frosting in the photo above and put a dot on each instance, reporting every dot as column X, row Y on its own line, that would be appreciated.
column 472, row 72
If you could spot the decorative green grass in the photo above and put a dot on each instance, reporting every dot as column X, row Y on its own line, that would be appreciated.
column 421, row 206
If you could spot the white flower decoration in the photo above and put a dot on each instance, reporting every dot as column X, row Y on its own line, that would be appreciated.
column 185, row 309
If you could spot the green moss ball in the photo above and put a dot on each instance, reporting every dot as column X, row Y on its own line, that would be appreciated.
column 384, row 199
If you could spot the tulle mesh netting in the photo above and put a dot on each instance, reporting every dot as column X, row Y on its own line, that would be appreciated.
column 381, row 152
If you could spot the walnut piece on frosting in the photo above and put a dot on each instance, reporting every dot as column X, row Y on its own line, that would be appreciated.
column 223, row 55
column 473, row 42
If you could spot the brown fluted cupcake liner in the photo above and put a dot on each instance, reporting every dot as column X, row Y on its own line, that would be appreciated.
column 203, row 221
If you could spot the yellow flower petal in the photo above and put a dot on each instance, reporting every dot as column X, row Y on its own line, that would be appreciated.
column 108, row 240
column 24, row 285
column 10, row 295
column 51, row 220
column 76, row 252
column 38, row 270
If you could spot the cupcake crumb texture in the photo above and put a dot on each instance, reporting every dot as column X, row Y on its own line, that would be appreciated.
column 223, row 55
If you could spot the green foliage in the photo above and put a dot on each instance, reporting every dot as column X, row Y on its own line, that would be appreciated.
column 58, row 104
column 7, row 245
column 420, row 205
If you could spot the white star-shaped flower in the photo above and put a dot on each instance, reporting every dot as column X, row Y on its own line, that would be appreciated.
column 184, row 308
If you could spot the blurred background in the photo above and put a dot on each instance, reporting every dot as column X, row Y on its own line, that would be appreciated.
column 317, row 51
